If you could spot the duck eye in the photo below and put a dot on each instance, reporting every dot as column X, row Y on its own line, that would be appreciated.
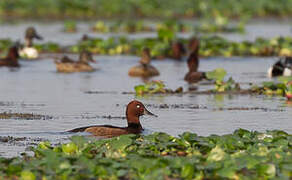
column 138, row 106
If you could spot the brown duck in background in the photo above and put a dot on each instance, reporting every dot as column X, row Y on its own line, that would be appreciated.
column 145, row 69
column 134, row 110
column 193, row 75
column 67, row 65
column 178, row 50
column 11, row 60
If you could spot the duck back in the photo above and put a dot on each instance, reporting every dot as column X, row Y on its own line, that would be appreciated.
column 107, row 130
column 143, row 71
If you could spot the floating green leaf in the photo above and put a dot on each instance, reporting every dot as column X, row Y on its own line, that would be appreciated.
column 217, row 74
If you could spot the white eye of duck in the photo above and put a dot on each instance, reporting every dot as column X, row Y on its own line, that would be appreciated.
column 138, row 106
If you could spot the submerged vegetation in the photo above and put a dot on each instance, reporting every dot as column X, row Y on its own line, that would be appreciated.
column 243, row 154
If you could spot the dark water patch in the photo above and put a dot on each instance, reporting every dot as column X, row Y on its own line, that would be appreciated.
column 21, row 141
column 249, row 109
column 32, row 105
column 103, row 117
column 176, row 106
column 195, row 106
column 101, row 92
column 24, row 116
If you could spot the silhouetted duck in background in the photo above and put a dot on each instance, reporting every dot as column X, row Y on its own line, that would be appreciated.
column 283, row 67
column 67, row 65
column 11, row 60
column 178, row 50
column 28, row 51
column 134, row 110
column 193, row 75
column 145, row 69
column 194, row 44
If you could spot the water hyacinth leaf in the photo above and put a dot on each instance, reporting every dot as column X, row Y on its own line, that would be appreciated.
column 44, row 145
column 166, row 34
column 188, row 171
column 70, row 148
column 227, row 172
column 216, row 154
column 121, row 142
column 267, row 170
column 217, row 74
column 163, row 137
column 270, row 85
column 80, row 141
column 27, row 175
column 140, row 89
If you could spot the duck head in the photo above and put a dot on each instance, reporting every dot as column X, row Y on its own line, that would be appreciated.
column 194, row 44
column 178, row 50
column 86, row 57
column 85, row 37
column 135, row 109
column 146, row 57
column 193, row 59
column 31, row 34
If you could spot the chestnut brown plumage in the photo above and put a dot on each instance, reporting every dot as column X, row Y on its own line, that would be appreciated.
column 193, row 75
column 134, row 110
column 178, row 50
column 11, row 60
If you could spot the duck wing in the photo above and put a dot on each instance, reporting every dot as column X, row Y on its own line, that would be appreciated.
column 82, row 129
column 107, row 130
column 9, row 63
column 4, row 62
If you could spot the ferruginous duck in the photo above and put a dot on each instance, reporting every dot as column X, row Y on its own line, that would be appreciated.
column 178, row 50
column 11, row 60
column 193, row 75
column 134, row 110
column 145, row 69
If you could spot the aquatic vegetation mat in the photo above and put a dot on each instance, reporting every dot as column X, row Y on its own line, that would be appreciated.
column 205, row 26
column 161, row 47
column 241, row 155
column 155, row 87
column 55, row 9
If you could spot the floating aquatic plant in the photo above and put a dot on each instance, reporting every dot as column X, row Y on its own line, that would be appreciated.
column 161, row 46
column 241, row 155
column 281, row 88
column 221, row 85
column 70, row 26
column 154, row 87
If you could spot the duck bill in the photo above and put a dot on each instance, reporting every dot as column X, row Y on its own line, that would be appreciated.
column 92, row 60
column 38, row 37
column 146, row 112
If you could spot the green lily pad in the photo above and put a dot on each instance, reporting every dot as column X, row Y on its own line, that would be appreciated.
column 217, row 74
